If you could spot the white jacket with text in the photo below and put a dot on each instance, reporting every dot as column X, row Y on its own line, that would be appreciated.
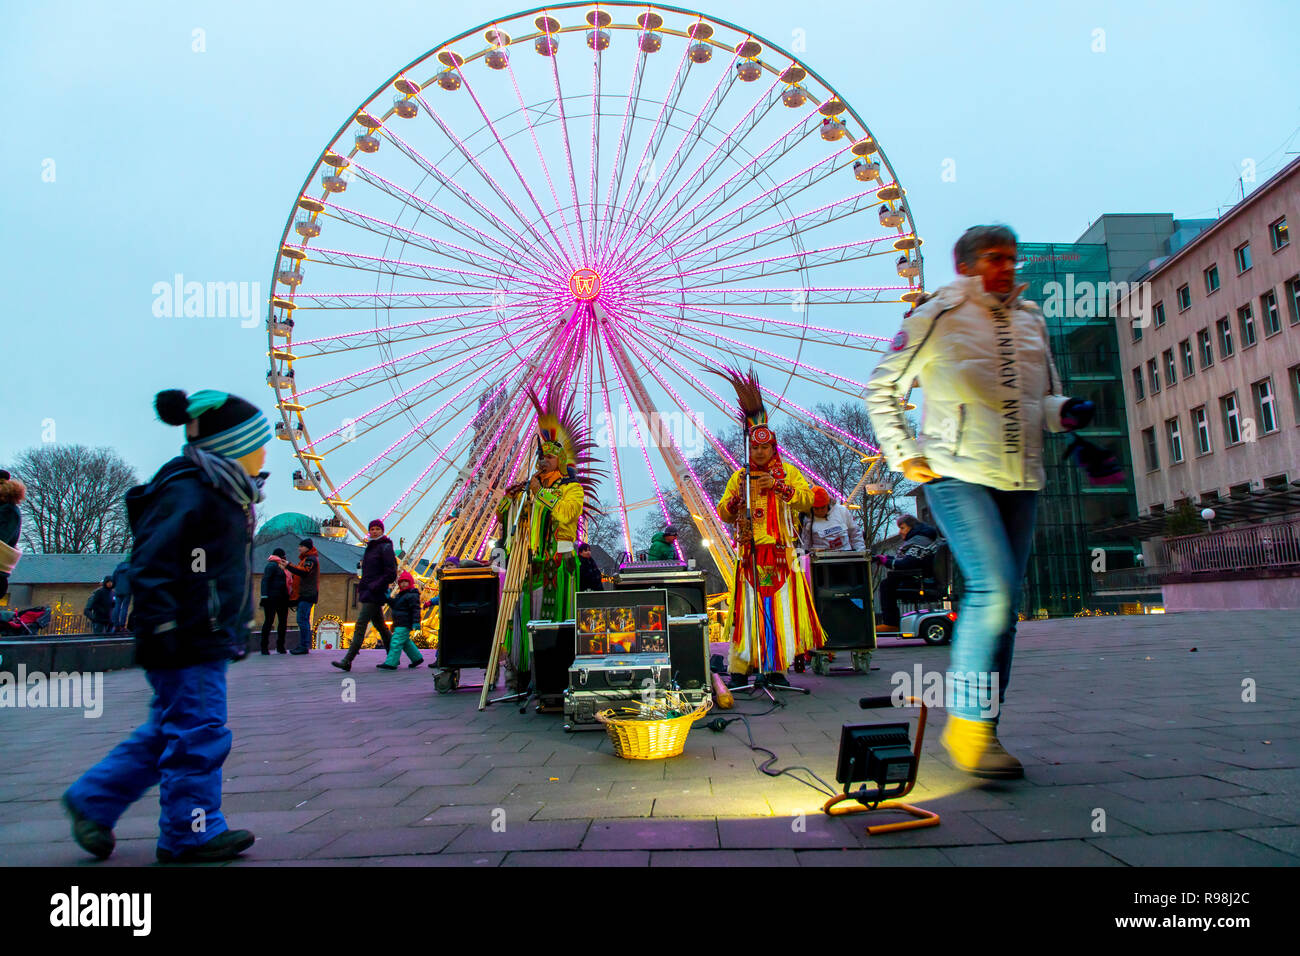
column 989, row 388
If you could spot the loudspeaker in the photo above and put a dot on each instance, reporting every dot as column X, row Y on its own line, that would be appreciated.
column 842, row 595
column 688, row 644
column 553, row 653
column 468, row 615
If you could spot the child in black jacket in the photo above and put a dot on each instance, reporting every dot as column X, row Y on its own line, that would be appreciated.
column 406, row 618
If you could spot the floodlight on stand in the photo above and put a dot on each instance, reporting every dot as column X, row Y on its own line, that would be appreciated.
column 880, row 753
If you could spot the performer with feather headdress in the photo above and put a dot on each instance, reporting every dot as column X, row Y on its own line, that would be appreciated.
column 772, row 618
column 554, row 498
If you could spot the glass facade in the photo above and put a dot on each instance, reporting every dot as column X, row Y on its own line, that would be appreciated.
column 1065, row 279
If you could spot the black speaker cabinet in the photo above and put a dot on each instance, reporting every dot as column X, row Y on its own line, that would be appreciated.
column 842, row 594
column 468, row 615
column 553, row 653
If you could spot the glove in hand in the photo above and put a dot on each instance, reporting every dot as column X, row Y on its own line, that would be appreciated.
column 1101, row 465
column 1077, row 413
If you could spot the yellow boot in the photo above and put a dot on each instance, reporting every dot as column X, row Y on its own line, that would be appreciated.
column 974, row 748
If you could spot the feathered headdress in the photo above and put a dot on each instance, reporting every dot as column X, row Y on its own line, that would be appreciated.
column 753, row 413
column 562, row 432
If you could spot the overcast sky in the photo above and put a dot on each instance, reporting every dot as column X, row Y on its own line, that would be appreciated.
column 132, row 157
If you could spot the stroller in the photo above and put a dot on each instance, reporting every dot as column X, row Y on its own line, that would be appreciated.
column 28, row 622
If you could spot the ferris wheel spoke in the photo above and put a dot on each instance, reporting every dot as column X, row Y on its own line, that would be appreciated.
column 572, row 247
column 621, row 148
column 774, row 328
column 731, row 189
column 517, row 256
column 568, row 157
column 657, row 129
column 729, row 140
column 505, row 152
column 407, row 269
column 385, row 335
column 636, row 427
column 828, row 295
column 616, row 469
column 405, row 439
column 713, row 103
column 354, row 382
column 804, row 223
column 420, row 240
column 812, row 373
column 541, row 245
column 808, row 259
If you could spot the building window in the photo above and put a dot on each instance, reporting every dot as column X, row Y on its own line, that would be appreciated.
column 1293, row 375
column 1159, row 312
column 1203, row 343
column 1137, row 384
column 1265, row 406
column 1149, row 445
column 1189, row 364
column 1293, row 298
column 1137, row 332
column 1175, row 441
column 1171, row 370
column 1276, row 482
column 1202, row 423
column 1231, row 418
column 1277, row 234
column 1225, row 337
column 1212, row 279
column 1184, row 298
column 1153, row 375
column 1270, row 313
column 1247, row 319
column 1242, row 255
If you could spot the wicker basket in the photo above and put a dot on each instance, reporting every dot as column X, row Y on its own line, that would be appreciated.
column 637, row 738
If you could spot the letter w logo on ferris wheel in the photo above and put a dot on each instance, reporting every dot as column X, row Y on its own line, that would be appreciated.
column 585, row 285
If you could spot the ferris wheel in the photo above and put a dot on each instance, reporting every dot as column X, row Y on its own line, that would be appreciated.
column 620, row 196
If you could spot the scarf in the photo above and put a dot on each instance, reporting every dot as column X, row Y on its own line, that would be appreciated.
column 228, row 476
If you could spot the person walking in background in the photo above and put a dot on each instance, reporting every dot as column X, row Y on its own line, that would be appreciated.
column 99, row 607
column 275, row 600
column 663, row 545
column 378, row 571
column 307, row 573
column 191, row 619
column 121, row 595
column 406, row 618
column 829, row 527
column 983, row 360
column 12, row 493
column 589, row 576
column 917, row 539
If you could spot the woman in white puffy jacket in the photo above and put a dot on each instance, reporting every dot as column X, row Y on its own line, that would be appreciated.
column 982, row 359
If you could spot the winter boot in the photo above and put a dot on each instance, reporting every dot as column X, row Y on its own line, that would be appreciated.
column 974, row 748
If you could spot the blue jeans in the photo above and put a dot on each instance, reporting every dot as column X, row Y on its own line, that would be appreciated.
column 181, row 747
column 304, row 625
column 989, row 534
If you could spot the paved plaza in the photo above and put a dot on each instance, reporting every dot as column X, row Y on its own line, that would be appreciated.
column 1137, row 724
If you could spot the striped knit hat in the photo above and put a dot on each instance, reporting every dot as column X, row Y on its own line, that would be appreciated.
column 223, row 424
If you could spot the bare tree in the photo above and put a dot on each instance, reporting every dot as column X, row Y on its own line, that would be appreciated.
column 74, row 499
column 601, row 528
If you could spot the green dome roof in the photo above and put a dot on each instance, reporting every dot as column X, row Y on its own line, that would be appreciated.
column 289, row 522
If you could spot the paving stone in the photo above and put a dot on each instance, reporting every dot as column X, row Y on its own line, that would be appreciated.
column 725, row 858
column 585, row 858
column 1053, row 853
column 652, row 834
column 437, row 777
column 1188, row 816
column 811, row 831
column 744, row 805
column 1263, row 781
column 1280, row 806
column 342, row 797
column 390, row 842
column 607, row 809
column 521, row 836
column 348, row 819
column 1152, row 768
column 872, row 858
column 429, row 797
column 477, row 860
column 1286, row 839
column 1208, row 849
